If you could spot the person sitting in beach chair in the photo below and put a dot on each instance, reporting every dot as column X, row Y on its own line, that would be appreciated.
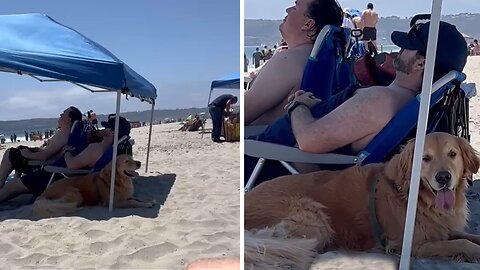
column 348, row 121
column 18, row 158
column 194, row 124
column 282, row 75
column 38, row 181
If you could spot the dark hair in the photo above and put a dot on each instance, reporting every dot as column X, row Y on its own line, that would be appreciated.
column 74, row 114
column 324, row 12
column 235, row 99
column 370, row 5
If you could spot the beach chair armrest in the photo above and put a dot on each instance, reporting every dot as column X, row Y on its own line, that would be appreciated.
column 254, row 130
column 63, row 170
column 40, row 162
column 292, row 154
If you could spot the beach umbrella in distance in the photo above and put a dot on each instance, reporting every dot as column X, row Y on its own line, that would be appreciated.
column 420, row 135
column 353, row 12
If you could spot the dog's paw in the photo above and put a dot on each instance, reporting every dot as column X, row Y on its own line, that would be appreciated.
column 465, row 258
column 391, row 249
column 151, row 204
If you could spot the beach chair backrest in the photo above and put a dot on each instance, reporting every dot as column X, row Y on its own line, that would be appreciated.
column 78, row 137
column 397, row 131
column 321, row 75
column 108, row 155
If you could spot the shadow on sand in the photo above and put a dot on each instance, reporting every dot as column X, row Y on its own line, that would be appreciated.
column 147, row 189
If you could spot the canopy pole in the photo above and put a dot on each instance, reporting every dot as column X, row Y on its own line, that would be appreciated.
column 420, row 136
column 208, row 103
column 115, row 150
column 149, row 137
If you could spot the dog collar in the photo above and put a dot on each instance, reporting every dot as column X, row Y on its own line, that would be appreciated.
column 377, row 228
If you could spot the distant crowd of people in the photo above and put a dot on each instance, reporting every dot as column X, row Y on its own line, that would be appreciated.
column 260, row 57
column 32, row 136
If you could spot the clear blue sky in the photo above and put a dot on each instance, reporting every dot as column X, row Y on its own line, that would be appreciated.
column 180, row 46
column 275, row 9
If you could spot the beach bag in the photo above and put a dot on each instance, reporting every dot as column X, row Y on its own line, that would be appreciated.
column 375, row 69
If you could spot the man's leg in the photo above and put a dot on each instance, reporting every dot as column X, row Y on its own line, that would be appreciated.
column 216, row 114
column 212, row 116
column 6, row 167
column 12, row 189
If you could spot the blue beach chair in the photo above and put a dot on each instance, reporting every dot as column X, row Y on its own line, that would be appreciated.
column 324, row 73
column 448, row 113
column 59, row 169
column 78, row 139
column 327, row 70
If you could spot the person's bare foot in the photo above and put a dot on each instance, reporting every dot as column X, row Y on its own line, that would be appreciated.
column 215, row 264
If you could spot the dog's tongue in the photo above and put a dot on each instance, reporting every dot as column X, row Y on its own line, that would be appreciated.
column 445, row 199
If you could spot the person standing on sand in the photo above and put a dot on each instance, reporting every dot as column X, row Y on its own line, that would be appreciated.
column 94, row 119
column 257, row 56
column 369, row 21
column 217, row 108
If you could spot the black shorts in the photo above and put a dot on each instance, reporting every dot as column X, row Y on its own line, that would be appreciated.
column 19, row 162
column 37, row 181
column 369, row 33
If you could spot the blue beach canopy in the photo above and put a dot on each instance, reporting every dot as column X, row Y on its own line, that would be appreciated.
column 36, row 45
column 231, row 81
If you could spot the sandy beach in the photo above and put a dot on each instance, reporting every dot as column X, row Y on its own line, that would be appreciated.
column 195, row 183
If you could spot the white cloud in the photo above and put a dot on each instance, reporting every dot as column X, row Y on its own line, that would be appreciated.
column 46, row 103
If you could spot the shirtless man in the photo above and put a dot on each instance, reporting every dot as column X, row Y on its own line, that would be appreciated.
column 351, row 119
column 369, row 22
column 282, row 74
column 17, row 158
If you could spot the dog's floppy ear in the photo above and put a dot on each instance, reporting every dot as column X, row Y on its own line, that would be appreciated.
column 107, row 171
column 400, row 166
column 471, row 161
column 406, row 158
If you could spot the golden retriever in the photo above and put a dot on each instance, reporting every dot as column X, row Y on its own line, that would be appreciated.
column 67, row 195
column 292, row 217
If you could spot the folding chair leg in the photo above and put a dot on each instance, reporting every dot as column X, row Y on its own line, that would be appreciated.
column 254, row 175
column 51, row 179
column 289, row 167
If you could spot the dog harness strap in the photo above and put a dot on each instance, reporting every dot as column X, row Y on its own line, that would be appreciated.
column 377, row 229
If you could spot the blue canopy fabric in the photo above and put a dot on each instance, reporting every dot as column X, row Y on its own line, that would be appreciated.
column 37, row 45
column 231, row 81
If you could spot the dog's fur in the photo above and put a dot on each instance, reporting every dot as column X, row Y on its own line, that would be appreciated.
column 332, row 207
column 67, row 195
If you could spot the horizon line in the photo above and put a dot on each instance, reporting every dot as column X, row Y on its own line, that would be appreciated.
column 463, row 13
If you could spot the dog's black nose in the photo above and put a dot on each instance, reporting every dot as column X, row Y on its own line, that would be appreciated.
column 443, row 178
column 138, row 163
